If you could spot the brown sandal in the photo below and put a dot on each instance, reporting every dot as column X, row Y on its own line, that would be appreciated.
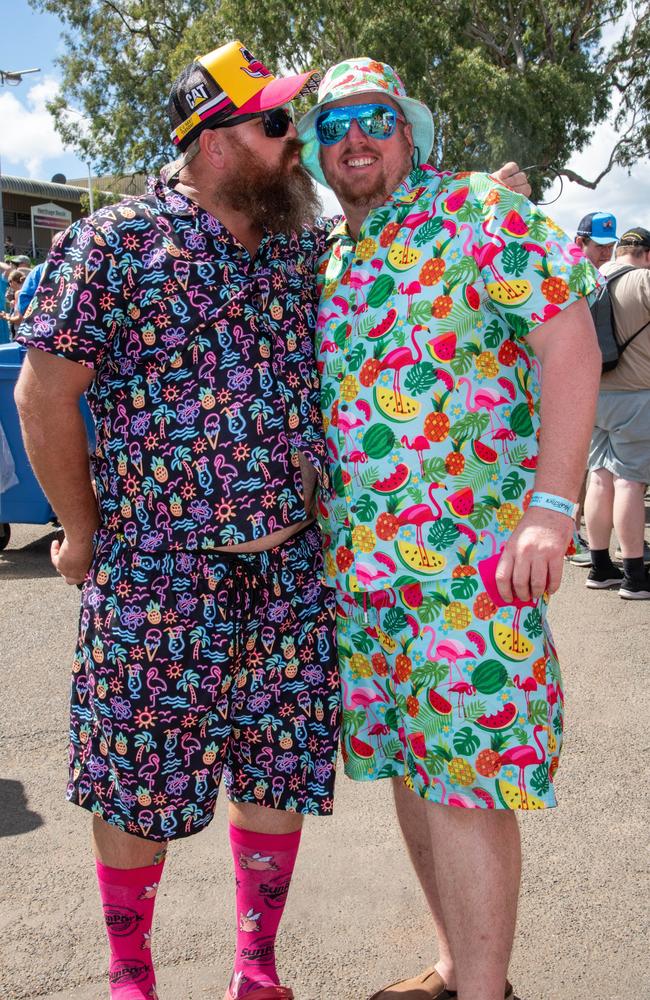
column 429, row 985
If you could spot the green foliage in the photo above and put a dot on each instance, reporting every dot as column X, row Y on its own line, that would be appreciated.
column 429, row 675
column 427, row 232
column 513, row 486
column 443, row 533
column 430, row 608
column 466, row 741
column 493, row 334
column 434, row 469
column 421, row 378
column 514, row 259
column 420, row 312
column 464, row 587
column 533, row 623
column 366, row 508
column 362, row 642
column 538, row 711
column 539, row 780
column 395, row 621
column 527, row 81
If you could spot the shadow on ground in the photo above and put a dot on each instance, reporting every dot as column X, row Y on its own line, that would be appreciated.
column 15, row 815
column 30, row 562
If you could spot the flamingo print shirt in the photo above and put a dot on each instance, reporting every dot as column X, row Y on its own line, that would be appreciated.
column 206, row 394
column 430, row 391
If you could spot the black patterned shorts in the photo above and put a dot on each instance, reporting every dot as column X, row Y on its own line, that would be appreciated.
column 192, row 665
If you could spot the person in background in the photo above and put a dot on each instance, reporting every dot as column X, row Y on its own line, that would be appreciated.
column 596, row 237
column 12, row 315
column 31, row 283
column 619, row 458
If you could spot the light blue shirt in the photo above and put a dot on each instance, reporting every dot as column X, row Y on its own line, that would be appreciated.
column 30, row 285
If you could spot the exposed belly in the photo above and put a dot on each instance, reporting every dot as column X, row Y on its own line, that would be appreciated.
column 309, row 480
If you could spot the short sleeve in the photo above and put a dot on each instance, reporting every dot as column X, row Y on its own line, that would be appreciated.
column 80, row 300
column 530, row 268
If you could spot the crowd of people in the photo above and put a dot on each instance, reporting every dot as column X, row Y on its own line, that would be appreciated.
column 335, row 480
column 18, row 282
column 619, row 455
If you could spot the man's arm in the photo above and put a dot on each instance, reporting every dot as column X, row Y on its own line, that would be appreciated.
column 568, row 352
column 47, row 396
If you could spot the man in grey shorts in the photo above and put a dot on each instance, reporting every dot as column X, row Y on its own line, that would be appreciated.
column 619, row 457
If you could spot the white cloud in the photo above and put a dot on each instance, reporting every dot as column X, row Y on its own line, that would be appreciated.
column 27, row 135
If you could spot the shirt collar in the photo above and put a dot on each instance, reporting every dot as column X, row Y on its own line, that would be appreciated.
column 406, row 192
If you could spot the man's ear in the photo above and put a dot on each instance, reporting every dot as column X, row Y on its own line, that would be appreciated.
column 580, row 242
column 213, row 147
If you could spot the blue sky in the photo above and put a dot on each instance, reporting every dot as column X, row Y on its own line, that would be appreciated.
column 30, row 147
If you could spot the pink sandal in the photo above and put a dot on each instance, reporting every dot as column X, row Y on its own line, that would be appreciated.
column 265, row 993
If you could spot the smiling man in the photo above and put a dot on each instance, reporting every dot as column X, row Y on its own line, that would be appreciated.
column 445, row 298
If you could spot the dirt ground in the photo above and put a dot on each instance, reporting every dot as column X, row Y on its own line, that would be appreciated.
column 355, row 917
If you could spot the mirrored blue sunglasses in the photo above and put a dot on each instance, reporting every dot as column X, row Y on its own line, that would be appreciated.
column 377, row 120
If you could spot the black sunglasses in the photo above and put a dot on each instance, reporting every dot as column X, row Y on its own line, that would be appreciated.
column 275, row 123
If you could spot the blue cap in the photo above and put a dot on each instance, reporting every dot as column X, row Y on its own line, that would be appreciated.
column 599, row 227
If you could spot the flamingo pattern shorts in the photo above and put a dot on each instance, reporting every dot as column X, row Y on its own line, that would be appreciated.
column 461, row 699
column 191, row 666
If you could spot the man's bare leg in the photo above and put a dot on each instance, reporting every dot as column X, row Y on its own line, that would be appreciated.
column 259, row 819
column 478, row 868
column 117, row 849
column 599, row 509
column 629, row 516
column 413, row 816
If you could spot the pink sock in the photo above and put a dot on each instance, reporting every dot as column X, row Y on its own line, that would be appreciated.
column 264, row 865
column 128, row 898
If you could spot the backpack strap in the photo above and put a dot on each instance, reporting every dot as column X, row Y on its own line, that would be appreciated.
column 626, row 343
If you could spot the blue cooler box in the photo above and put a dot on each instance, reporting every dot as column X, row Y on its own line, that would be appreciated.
column 24, row 503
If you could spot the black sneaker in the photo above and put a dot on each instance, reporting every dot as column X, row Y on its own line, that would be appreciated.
column 603, row 581
column 635, row 590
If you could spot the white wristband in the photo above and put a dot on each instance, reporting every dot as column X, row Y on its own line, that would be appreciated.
column 552, row 502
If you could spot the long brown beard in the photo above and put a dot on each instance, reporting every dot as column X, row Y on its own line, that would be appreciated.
column 282, row 199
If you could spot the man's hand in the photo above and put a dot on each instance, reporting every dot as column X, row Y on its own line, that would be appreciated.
column 533, row 557
column 72, row 558
column 512, row 177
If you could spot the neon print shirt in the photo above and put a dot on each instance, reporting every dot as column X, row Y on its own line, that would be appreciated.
column 430, row 391
column 206, row 392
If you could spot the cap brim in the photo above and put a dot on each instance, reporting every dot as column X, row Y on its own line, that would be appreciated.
column 603, row 241
column 279, row 92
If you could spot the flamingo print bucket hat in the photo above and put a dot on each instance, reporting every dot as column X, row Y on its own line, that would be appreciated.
column 360, row 76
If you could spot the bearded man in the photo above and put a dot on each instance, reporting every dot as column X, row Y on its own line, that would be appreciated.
column 206, row 635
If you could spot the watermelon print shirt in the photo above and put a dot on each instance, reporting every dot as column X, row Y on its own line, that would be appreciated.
column 430, row 391
column 206, row 390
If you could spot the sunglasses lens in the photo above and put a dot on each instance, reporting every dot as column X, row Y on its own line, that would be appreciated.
column 378, row 122
column 276, row 123
column 332, row 126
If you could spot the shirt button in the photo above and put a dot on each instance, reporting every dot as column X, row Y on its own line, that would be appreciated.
column 344, row 458
column 353, row 509
column 344, row 406
column 348, row 357
column 358, row 262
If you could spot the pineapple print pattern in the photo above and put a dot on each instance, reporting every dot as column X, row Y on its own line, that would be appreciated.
column 430, row 394
column 206, row 377
column 171, row 712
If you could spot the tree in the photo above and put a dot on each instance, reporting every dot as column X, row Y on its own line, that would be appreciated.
column 527, row 80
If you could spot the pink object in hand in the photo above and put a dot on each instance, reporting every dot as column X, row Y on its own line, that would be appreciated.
column 487, row 569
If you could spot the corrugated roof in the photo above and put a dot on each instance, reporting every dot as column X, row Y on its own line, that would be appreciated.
column 41, row 189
